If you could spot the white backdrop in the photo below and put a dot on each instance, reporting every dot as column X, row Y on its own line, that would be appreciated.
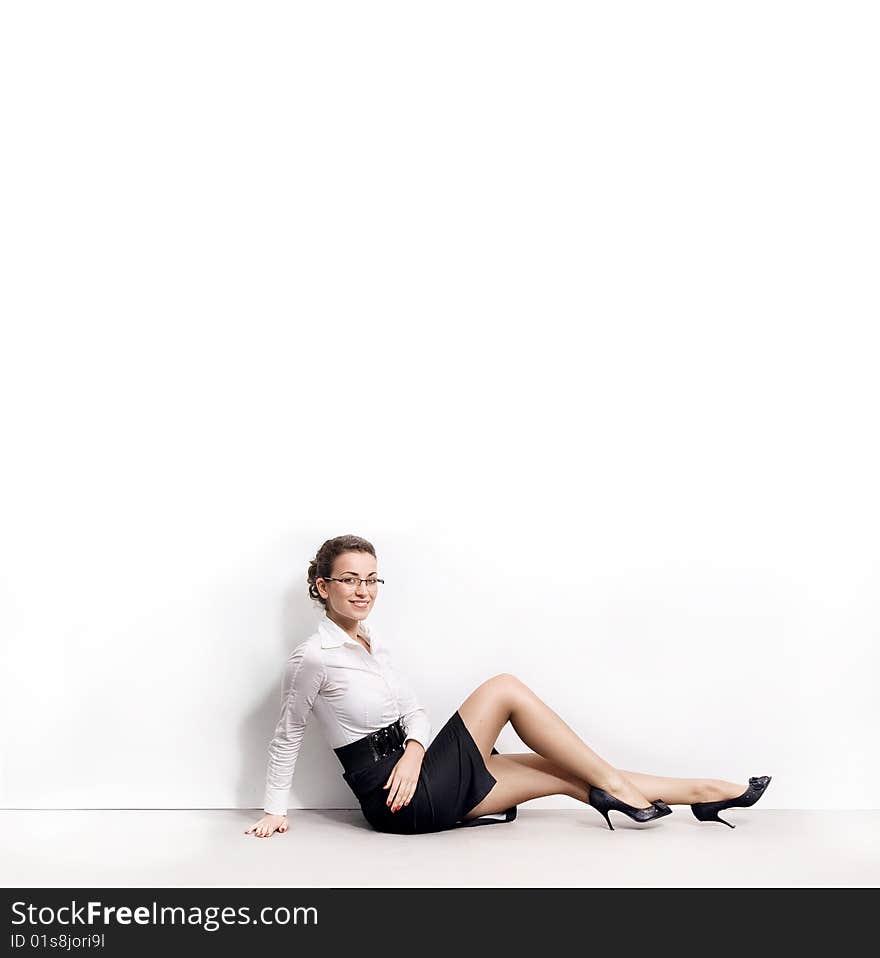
column 570, row 309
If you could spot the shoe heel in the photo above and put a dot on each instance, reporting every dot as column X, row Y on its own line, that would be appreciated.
column 604, row 802
column 601, row 801
column 708, row 811
column 704, row 814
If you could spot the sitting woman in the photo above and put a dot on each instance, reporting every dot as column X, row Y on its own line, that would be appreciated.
column 407, row 783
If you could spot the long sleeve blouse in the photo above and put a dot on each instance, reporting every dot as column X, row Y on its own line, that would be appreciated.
column 351, row 691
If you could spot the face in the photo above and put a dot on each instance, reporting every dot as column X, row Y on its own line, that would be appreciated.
column 344, row 602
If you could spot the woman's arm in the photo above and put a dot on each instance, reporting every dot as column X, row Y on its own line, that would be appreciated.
column 404, row 777
column 304, row 675
column 413, row 717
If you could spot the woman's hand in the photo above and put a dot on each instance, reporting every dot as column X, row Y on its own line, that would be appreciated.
column 404, row 777
column 268, row 824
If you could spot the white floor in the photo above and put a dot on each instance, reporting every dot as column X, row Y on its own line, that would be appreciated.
column 336, row 848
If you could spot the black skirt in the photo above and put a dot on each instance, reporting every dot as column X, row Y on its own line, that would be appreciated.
column 453, row 780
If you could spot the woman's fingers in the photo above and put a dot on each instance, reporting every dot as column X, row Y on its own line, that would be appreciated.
column 391, row 793
column 401, row 789
column 405, row 791
column 265, row 827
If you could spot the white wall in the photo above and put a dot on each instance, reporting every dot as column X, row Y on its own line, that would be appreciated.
column 600, row 283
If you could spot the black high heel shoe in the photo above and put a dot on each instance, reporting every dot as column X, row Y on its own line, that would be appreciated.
column 708, row 811
column 604, row 803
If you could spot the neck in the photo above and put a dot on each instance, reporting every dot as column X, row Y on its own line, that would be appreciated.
column 349, row 626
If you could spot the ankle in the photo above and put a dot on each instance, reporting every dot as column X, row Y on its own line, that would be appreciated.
column 621, row 788
column 715, row 790
column 613, row 784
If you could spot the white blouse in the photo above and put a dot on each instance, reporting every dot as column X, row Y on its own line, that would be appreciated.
column 350, row 690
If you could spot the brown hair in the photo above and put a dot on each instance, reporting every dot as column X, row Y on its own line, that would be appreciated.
column 322, row 565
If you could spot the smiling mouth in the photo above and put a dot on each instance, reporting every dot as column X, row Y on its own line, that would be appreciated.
column 359, row 602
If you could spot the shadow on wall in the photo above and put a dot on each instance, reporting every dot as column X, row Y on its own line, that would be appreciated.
column 317, row 780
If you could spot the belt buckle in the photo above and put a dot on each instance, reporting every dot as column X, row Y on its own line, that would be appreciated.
column 380, row 744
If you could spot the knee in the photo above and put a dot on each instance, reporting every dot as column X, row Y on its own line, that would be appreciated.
column 505, row 678
column 506, row 683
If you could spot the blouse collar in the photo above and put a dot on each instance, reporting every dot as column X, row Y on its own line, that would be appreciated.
column 333, row 635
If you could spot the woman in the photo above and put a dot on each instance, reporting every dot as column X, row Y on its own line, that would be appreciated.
column 406, row 783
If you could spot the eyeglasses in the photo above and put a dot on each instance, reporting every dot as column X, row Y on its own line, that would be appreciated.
column 351, row 583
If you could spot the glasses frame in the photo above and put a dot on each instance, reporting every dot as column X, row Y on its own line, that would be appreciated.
column 330, row 578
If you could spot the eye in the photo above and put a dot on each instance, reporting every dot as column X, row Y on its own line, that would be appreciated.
column 347, row 581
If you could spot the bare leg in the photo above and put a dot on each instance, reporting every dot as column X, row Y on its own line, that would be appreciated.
column 522, row 776
column 673, row 791
column 504, row 698
column 519, row 782
column 684, row 791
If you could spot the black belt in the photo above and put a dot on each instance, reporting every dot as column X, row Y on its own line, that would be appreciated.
column 371, row 748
